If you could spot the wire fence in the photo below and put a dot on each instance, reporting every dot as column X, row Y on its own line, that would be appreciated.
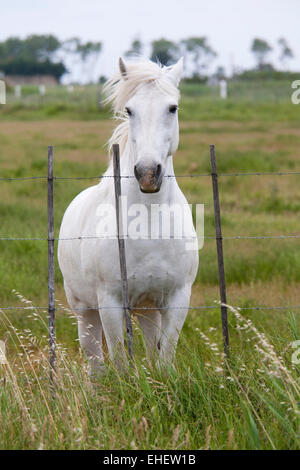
column 197, row 175
column 53, row 306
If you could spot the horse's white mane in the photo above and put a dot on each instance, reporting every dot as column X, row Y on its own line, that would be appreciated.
column 119, row 90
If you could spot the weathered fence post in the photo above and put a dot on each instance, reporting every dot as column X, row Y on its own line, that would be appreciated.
column 219, row 241
column 51, row 307
column 121, row 242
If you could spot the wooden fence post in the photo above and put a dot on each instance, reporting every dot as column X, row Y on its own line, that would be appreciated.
column 219, row 241
column 51, row 282
column 121, row 242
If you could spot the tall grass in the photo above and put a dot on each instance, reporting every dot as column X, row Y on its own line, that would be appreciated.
column 252, row 402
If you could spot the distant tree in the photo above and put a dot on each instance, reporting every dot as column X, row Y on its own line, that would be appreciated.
column 26, row 67
column 35, row 48
column 260, row 49
column 88, row 49
column 136, row 48
column 69, row 46
column 89, row 53
column 85, row 55
column 220, row 72
column 42, row 47
column 102, row 79
column 286, row 52
column 165, row 51
column 32, row 55
column 45, row 54
column 11, row 48
column 200, row 53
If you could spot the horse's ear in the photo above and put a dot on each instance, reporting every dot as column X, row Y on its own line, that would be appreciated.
column 122, row 68
column 175, row 72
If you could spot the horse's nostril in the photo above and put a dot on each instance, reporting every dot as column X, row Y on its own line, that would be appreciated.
column 158, row 171
column 147, row 175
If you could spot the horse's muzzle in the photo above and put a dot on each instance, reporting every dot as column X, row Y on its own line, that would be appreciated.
column 149, row 178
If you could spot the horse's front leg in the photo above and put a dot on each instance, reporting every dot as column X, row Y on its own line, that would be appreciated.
column 90, row 337
column 112, row 319
column 172, row 320
column 89, row 332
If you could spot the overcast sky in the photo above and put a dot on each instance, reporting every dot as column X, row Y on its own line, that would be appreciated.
column 230, row 25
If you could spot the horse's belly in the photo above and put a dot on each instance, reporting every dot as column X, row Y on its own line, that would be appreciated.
column 145, row 290
column 156, row 272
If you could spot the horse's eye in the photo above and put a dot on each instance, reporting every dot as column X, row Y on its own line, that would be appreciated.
column 173, row 108
column 128, row 111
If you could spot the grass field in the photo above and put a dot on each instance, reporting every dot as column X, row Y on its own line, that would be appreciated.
column 252, row 405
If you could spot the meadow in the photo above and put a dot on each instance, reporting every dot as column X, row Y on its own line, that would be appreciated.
column 253, row 402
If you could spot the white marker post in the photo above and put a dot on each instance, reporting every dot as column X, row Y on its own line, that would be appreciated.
column 2, row 92
column 223, row 89
column 18, row 91
column 42, row 90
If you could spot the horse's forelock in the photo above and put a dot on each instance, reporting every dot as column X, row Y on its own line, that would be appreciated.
column 118, row 90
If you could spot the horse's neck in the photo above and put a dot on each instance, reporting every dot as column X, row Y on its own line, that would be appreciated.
column 131, row 190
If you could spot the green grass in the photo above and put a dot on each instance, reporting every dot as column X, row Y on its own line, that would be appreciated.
column 251, row 404
column 243, row 90
column 267, row 101
column 258, row 408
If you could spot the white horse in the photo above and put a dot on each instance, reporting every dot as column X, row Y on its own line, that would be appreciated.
column 160, row 271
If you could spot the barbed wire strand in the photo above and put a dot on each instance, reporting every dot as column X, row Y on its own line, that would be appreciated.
column 197, row 175
column 198, row 307
column 112, row 237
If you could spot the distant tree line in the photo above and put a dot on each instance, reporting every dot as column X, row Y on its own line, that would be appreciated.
column 28, row 67
column 43, row 55
column 47, row 55
column 261, row 50
column 196, row 50
column 199, row 55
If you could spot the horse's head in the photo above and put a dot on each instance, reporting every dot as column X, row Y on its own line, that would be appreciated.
column 153, row 124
